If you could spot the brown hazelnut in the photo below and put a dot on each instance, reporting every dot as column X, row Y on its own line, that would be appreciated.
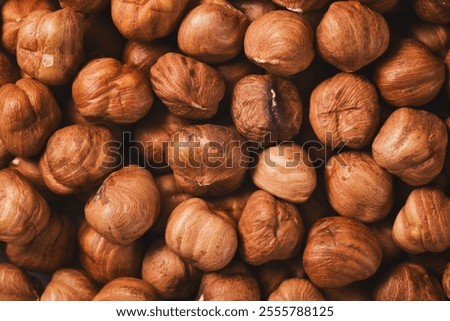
column 435, row 37
column 446, row 280
column 13, row 14
column 350, row 35
column 144, row 55
column 85, row 6
column 233, row 283
column 212, row 32
column 5, row 156
column 296, row 290
column 433, row 11
column 407, row 282
column 234, row 203
column 172, row 278
column 412, row 145
column 126, row 289
column 254, row 9
column 340, row 251
column 281, row 42
column 50, row 45
column 8, row 72
column 344, row 110
column 201, row 236
column 383, row 232
column 24, row 213
column 189, row 88
column 69, row 285
column 105, row 261
column 357, row 187
column 358, row 291
column 15, row 285
column 410, row 75
column 423, row 224
column 269, row 229
column 284, row 165
column 301, row 6
column 125, row 206
column 207, row 159
column 266, row 108
column 107, row 90
column 147, row 20
column 70, row 164
column 29, row 114
column 381, row 6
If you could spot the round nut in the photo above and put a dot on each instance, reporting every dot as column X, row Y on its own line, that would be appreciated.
column 296, row 289
column 126, row 289
column 435, row 37
column 433, row 11
column 69, row 285
column 281, row 42
column 350, row 35
column 144, row 55
column 351, row 247
column 15, row 285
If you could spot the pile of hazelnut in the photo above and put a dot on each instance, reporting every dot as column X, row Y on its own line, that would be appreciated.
column 224, row 150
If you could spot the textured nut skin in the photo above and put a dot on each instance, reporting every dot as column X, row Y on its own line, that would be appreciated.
column 70, row 164
column 234, row 70
column 281, row 42
column 147, row 20
column 234, row 203
column 435, row 37
column 433, row 11
column 296, row 290
column 345, row 108
column 172, row 278
column 24, row 213
column 106, row 90
column 284, row 165
column 266, row 108
column 105, row 261
column 50, row 250
column 8, row 72
column 15, row 285
column 212, row 32
column 85, row 6
column 254, row 9
column 69, row 285
column 125, row 206
column 423, row 224
column 126, row 289
column 269, row 229
column 350, row 35
column 271, row 274
column 340, row 251
column 189, row 88
column 13, row 14
column 410, row 75
column 358, row 188
column 201, row 236
column 207, row 159
column 412, row 145
column 380, row 6
column 144, row 55
column 29, row 114
column 407, row 282
column 233, row 283
column 301, row 6
column 50, row 45
column 446, row 280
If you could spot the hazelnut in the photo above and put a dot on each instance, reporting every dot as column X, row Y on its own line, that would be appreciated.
column 172, row 278
column 296, row 289
column 50, row 45
column 207, row 159
column 407, row 282
column 284, row 165
column 269, row 229
column 254, row 9
column 381, row 6
column 85, row 6
column 5, row 156
column 24, row 213
column 435, row 37
column 234, row 203
column 15, row 285
column 350, row 35
column 266, row 108
column 147, row 20
column 107, row 90
column 126, row 289
column 410, row 75
column 125, row 206
column 357, row 187
column 201, row 236
column 358, row 291
column 144, row 55
column 13, row 14
column 423, row 224
column 29, row 114
column 345, row 108
column 446, row 280
column 233, row 283
column 301, row 6
column 433, row 11
column 412, row 145
column 189, row 88
column 70, row 164
column 383, row 232
column 281, row 42
column 69, row 285
column 8, row 72
column 105, row 261
column 212, row 32
column 340, row 251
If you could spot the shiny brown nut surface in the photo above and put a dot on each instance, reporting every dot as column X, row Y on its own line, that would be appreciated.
column 126, row 289
column 296, row 289
column 15, row 285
